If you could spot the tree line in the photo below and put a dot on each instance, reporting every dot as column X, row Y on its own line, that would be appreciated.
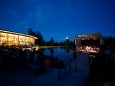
column 108, row 40
column 41, row 42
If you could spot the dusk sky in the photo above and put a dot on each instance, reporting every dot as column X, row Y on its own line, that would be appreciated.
column 58, row 18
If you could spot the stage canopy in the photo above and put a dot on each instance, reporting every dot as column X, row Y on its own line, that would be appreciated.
column 93, row 36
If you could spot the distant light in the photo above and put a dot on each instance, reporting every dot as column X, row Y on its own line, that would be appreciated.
column 66, row 38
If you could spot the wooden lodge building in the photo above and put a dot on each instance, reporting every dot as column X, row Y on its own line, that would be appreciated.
column 15, row 38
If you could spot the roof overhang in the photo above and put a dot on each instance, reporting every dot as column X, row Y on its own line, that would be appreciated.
column 17, row 33
column 93, row 36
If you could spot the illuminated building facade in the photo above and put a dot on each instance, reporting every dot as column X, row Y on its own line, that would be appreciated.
column 14, row 38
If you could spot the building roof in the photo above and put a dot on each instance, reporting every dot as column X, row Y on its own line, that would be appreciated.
column 89, row 36
column 17, row 33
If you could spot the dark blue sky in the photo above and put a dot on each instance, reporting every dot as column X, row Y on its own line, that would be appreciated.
column 58, row 18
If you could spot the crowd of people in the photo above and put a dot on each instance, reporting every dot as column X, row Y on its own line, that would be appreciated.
column 102, row 66
column 13, row 58
column 102, row 70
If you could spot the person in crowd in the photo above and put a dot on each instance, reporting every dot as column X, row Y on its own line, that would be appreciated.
column 41, row 59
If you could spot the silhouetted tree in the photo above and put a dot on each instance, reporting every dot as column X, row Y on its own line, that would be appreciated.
column 61, row 43
column 67, row 42
column 37, row 34
column 40, row 40
column 51, row 42
column 56, row 44
column 109, row 41
column 30, row 32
